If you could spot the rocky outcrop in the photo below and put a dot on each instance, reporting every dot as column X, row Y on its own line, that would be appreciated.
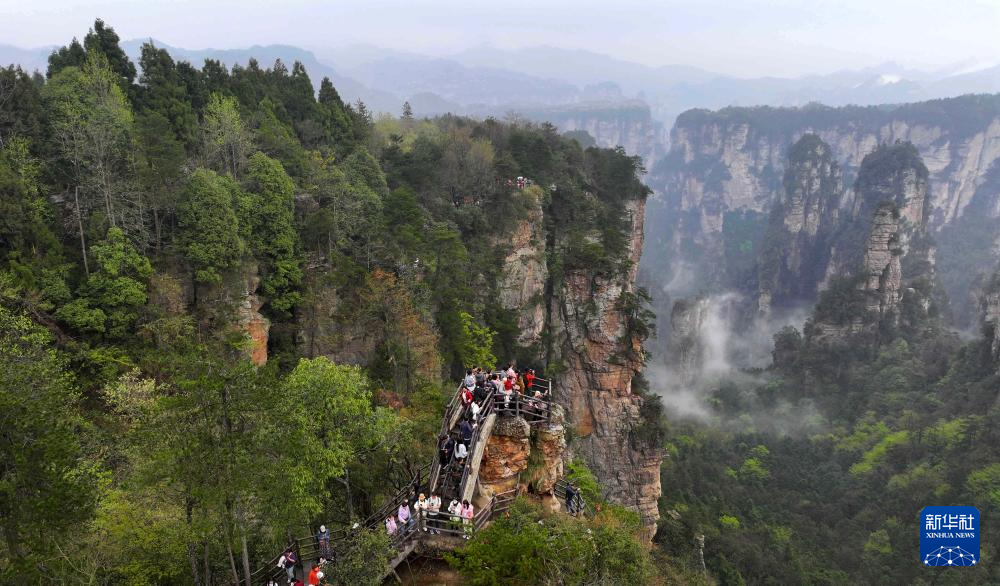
column 599, row 360
column 887, row 240
column 549, row 446
column 882, row 275
column 525, row 272
column 256, row 326
column 685, row 351
column 628, row 124
column 517, row 454
column 505, row 457
column 795, row 255
column 725, row 170
column 991, row 318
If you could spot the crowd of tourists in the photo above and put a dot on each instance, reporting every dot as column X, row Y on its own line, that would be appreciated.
column 426, row 513
column 513, row 391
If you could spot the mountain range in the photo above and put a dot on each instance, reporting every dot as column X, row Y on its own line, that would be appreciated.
column 492, row 81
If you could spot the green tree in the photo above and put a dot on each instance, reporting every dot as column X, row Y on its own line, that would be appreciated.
column 529, row 548
column 208, row 227
column 227, row 141
column 337, row 118
column 163, row 91
column 103, row 39
column 20, row 106
column 161, row 158
column 476, row 343
column 275, row 237
column 46, row 485
column 111, row 297
column 92, row 126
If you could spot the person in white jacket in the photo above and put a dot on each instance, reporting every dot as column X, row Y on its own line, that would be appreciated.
column 455, row 510
column 461, row 453
column 433, row 507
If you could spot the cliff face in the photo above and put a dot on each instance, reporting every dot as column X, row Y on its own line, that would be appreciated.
column 626, row 124
column 795, row 258
column 516, row 454
column 685, row 349
column 525, row 273
column 599, row 363
column 991, row 318
column 725, row 170
column 256, row 326
column 886, row 239
column 882, row 274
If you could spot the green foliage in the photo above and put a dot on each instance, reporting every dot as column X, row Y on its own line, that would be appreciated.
column 529, row 547
column 209, row 229
column 984, row 485
column 274, row 235
column 476, row 344
column 581, row 476
column 364, row 559
column 47, row 486
column 110, row 299
column 226, row 139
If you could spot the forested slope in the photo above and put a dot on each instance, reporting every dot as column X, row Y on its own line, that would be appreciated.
column 230, row 307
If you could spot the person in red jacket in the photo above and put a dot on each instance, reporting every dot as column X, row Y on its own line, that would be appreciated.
column 529, row 381
column 315, row 576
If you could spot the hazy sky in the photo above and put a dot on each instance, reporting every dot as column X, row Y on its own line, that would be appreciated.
column 739, row 37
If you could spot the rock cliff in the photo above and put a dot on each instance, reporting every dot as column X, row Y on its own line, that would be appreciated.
column 525, row 273
column 991, row 318
column 517, row 454
column 725, row 171
column 627, row 124
column 795, row 257
column 686, row 351
column 598, row 361
column 256, row 326
column 885, row 238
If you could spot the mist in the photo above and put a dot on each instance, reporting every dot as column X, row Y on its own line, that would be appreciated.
column 732, row 355
column 751, row 38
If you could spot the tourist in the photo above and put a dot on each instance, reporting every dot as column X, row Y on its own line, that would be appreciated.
column 511, row 373
column 466, row 396
column 529, row 379
column 474, row 410
column 315, row 575
column 433, row 508
column 390, row 525
column 287, row 562
column 470, row 380
column 465, row 429
column 420, row 509
column 446, row 446
column 404, row 516
column 455, row 514
column 571, row 494
column 467, row 514
column 506, row 394
column 323, row 538
column 461, row 453
column 480, row 377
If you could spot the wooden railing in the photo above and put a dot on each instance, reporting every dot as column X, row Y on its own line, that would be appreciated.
column 487, row 408
column 449, row 414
